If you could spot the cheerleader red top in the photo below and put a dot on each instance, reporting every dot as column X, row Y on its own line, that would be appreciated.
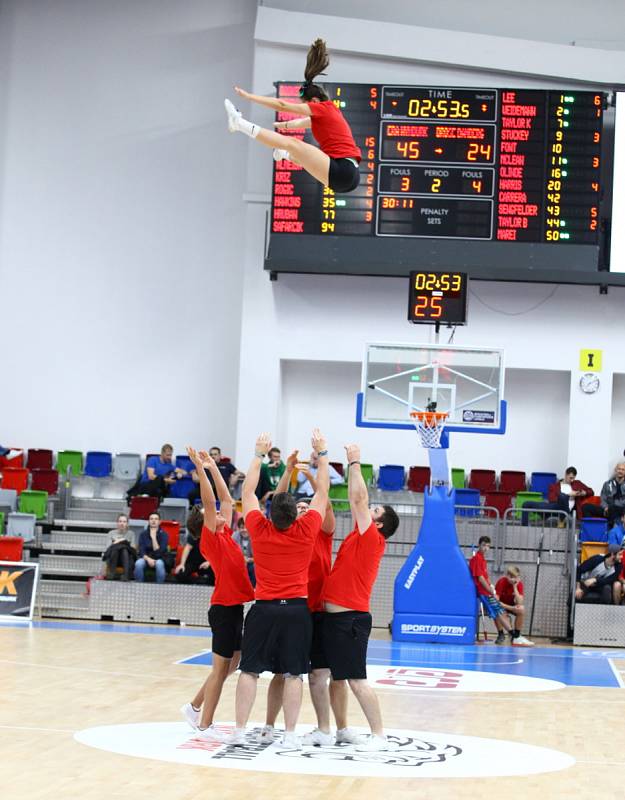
column 332, row 132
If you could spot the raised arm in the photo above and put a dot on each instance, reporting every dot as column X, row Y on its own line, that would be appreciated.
column 357, row 489
column 329, row 522
column 285, row 478
column 293, row 124
column 206, row 491
column 248, row 490
column 274, row 103
column 226, row 503
column 320, row 498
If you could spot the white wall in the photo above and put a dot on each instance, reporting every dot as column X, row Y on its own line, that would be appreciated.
column 121, row 235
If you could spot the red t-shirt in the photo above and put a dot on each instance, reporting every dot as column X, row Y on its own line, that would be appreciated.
column 351, row 580
column 319, row 569
column 477, row 567
column 505, row 592
column 232, row 583
column 330, row 129
column 281, row 558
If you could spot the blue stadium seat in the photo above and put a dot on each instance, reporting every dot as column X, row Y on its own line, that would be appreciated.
column 185, row 463
column 391, row 477
column 98, row 464
column 594, row 529
column 541, row 481
column 182, row 488
column 468, row 497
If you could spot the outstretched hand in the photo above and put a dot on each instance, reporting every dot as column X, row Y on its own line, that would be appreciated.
column 195, row 457
column 291, row 461
column 352, row 452
column 263, row 444
column 242, row 93
column 318, row 441
column 207, row 461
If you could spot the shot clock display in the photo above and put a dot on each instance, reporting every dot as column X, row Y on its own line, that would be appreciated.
column 445, row 164
column 438, row 297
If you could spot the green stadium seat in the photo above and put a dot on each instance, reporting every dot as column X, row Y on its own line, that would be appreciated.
column 524, row 497
column 457, row 477
column 366, row 471
column 1, row 523
column 34, row 502
column 69, row 458
column 338, row 494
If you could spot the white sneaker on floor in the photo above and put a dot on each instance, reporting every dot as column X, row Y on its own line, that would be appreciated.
column 211, row 734
column 233, row 116
column 317, row 737
column 267, row 734
column 191, row 715
column 348, row 736
column 236, row 738
column 291, row 740
column 279, row 154
column 376, row 744
column 521, row 641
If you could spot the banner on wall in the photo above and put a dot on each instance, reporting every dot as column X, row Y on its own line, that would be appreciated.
column 18, row 588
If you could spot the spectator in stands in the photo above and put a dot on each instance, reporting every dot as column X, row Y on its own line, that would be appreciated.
column 193, row 567
column 564, row 495
column 597, row 578
column 242, row 538
column 616, row 534
column 153, row 553
column 304, row 486
column 121, row 551
column 509, row 591
column 158, row 475
column 270, row 474
column 486, row 591
column 612, row 497
column 231, row 475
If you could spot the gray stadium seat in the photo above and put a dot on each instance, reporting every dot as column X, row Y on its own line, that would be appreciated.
column 8, row 497
column 174, row 508
column 126, row 466
column 21, row 525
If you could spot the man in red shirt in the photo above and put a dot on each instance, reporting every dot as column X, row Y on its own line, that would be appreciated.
column 278, row 628
column 509, row 591
column 232, row 590
column 347, row 593
column 486, row 591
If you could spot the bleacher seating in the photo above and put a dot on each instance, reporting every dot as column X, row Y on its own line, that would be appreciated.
column 499, row 500
column 512, row 481
column 45, row 480
column 467, row 497
column 34, row 502
column 595, row 500
column 40, row 459
column 182, row 488
column 418, row 479
column 11, row 548
column 69, row 458
column 142, row 506
column 17, row 462
column 590, row 549
column 185, row 463
column 457, row 477
column 175, row 508
column 172, row 529
column 1, row 523
column 391, row 477
column 525, row 497
column 14, row 478
column 541, row 481
column 594, row 529
column 126, row 466
column 339, row 467
column 19, row 524
column 484, row 480
column 338, row 494
column 98, row 464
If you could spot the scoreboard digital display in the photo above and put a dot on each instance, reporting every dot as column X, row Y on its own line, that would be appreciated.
column 450, row 172
column 437, row 297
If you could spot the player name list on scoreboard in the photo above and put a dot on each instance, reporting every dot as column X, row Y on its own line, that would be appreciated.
column 516, row 165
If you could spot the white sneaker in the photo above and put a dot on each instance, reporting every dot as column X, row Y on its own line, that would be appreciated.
column 266, row 735
column 376, row 744
column 236, row 738
column 211, row 734
column 291, row 740
column 233, row 116
column 521, row 641
column 279, row 154
column 317, row 737
column 191, row 715
column 348, row 736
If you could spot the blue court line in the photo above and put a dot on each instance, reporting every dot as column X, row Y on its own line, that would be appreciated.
column 111, row 627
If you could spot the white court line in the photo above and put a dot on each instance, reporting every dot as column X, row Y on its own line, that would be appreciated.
column 45, row 730
column 616, row 672
column 89, row 669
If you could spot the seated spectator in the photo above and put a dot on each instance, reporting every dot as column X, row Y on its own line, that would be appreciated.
column 158, row 475
column 153, row 543
column 231, row 475
column 304, row 486
column 486, row 591
column 612, row 497
column 597, row 576
column 242, row 538
column 121, row 551
column 509, row 591
column 564, row 495
column 616, row 534
column 270, row 474
column 193, row 567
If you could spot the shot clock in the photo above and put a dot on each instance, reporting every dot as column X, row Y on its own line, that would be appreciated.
column 437, row 298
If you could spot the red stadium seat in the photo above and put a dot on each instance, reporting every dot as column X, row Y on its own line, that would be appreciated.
column 11, row 548
column 172, row 529
column 40, row 459
column 593, row 501
column 15, row 463
column 142, row 506
column 45, row 480
column 484, row 480
column 418, row 479
column 14, row 479
column 512, row 481
column 499, row 500
column 338, row 466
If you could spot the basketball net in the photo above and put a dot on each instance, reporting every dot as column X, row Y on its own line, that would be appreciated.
column 429, row 426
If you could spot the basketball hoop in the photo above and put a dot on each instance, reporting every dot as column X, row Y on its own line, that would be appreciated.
column 429, row 425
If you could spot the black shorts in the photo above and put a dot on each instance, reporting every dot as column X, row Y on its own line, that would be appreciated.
column 277, row 637
column 318, row 658
column 344, row 175
column 345, row 639
column 226, row 624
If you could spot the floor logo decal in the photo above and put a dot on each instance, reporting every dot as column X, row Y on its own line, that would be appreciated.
column 422, row 754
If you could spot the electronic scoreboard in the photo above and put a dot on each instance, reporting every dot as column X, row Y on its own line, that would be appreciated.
column 497, row 181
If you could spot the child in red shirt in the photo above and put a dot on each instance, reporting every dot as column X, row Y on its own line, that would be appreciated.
column 509, row 590
column 486, row 590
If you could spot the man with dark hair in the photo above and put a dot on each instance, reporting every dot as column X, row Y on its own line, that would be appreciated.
column 347, row 594
column 564, row 495
column 612, row 497
column 597, row 578
column 153, row 543
column 278, row 628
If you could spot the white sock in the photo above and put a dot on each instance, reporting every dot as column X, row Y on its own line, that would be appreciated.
column 248, row 128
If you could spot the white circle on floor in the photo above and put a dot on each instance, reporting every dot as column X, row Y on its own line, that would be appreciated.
column 420, row 754
column 455, row 680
